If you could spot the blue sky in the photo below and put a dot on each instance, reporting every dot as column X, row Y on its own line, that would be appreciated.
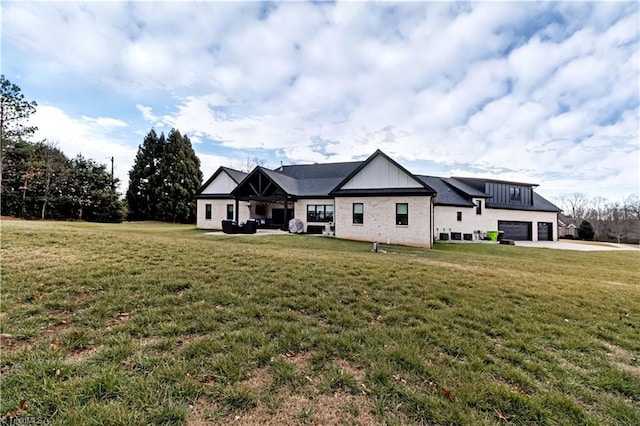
column 546, row 93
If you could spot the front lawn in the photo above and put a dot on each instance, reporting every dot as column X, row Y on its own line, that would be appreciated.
column 162, row 324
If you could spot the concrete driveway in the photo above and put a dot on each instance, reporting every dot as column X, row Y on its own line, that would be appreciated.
column 579, row 245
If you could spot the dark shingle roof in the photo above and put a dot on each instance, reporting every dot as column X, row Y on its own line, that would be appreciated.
column 472, row 190
column 539, row 203
column 236, row 175
column 313, row 171
column 446, row 194
column 287, row 183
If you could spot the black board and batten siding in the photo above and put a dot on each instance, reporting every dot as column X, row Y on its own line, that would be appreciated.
column 502, row 193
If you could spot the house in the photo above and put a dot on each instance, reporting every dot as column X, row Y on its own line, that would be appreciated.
column 376, row 200
column 567, row 227
column 466, row 208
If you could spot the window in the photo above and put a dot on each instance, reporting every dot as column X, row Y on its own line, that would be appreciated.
column 320, row 213
column 229, row 211
column 358, row 213
column 479, row 207
column 402, row 214
column 459, row 216
column 207, row 211
column 514, row 194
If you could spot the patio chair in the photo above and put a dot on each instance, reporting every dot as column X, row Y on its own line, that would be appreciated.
column 230, row 227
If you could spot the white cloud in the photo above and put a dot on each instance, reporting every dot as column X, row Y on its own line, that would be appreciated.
column 538, row 88
column 105, row 121
column 88, row 137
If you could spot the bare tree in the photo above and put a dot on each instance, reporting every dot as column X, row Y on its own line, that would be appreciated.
column 248, row 164
column 574, row 205
column 596, row 213
column 632, row 205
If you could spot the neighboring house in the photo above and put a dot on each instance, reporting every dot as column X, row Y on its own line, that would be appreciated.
column 376, row 200
column 567, row 227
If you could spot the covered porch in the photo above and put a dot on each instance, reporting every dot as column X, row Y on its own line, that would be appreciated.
column 268, row 197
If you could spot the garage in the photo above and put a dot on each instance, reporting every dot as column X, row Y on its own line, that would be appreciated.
column 545, row 231
column 518, row 231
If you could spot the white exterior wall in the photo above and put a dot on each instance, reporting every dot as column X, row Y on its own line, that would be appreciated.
column 301, row 210
column 218, row 212
column 223, row 184
column 380, row 173
column 379, row 220
column 445, row 219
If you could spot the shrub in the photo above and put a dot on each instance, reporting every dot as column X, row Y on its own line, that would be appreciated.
column 585, row 231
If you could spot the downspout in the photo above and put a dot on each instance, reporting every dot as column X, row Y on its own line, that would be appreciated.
column 236, row 213
column 431, row 222
column 285, row 225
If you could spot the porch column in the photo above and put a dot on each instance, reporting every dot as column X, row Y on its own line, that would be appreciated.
column 285, row 225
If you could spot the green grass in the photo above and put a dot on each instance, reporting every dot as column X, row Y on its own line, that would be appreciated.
column 162, row 324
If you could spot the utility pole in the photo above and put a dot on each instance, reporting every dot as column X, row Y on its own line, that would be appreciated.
column 113, row 183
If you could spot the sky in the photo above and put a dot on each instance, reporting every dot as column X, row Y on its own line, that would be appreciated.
column 546, row 93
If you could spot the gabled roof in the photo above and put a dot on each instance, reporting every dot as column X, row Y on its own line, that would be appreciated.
column 422, row 189
column 286, row 183
column 471, row 191
column 447, row 195
column 318, row 179
column 235, row 175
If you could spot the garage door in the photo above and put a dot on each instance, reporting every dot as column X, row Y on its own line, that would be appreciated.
column 545, row 231
column 519, row 231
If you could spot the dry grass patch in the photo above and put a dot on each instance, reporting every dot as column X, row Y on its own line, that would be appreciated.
column 311, row 330
column 623, row 359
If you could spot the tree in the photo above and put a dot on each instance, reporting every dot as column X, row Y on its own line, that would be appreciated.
column 574, row 205
column 181, row 178
column 54, row 167
column 585, row 231
column 144, row 178
column 14, row 111
column 248, row 164
column 164, row 179
column 91, row 192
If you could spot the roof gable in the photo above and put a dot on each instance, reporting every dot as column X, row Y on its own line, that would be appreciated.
column 263, row 183
column 380, row 172
column 223, row 181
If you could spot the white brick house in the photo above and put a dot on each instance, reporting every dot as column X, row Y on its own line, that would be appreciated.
column 376, row 200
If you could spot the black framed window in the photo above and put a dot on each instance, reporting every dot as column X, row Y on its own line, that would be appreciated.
column 514, row 194
column 402, row 213
column 358, row 213
column 459, row 216
column 229, row 211
column 479, row 207
column 319, row 212
column 207, row 211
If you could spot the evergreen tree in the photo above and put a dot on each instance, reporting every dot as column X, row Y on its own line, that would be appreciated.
column 16, row 177
column 144, row 178
column 164, row 179
column 14, row 111
column 181, row 178
column 90, row 193
column 585, row 231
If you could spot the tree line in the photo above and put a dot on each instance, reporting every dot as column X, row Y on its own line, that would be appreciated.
column 605, row 220
column 39, row 181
